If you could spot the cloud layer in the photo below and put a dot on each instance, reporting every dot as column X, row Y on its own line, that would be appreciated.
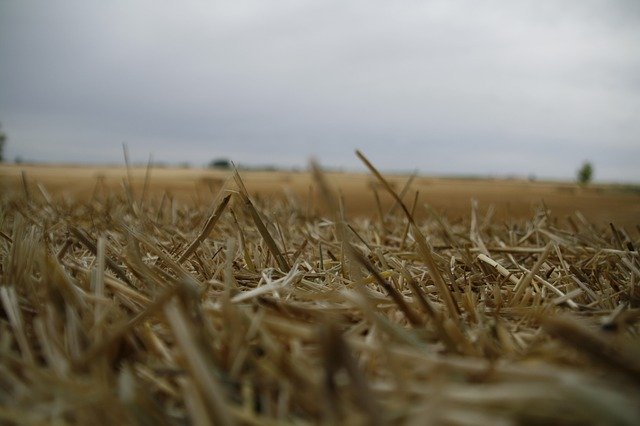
column 454, row 87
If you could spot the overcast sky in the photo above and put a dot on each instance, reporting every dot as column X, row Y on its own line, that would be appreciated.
column 446, row 87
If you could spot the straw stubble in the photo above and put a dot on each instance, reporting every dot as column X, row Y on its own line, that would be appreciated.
column 121, row 312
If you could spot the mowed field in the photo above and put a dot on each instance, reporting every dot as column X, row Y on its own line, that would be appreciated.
column 191, row 296
column 506, row 199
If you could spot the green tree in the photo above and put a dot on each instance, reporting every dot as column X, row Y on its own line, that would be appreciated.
column 585, row 173
column 220, row 163
column 3, row 139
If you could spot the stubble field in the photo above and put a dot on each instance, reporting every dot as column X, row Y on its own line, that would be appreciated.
column 184, row 296
column 507, row 199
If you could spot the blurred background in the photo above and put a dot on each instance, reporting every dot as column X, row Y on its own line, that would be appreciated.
column 457, row 88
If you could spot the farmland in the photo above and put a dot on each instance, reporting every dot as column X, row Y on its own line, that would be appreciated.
column 509, row 199
column 187, row 296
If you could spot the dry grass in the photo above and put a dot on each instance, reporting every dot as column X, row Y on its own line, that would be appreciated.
column 130, row 308
column 509, row 199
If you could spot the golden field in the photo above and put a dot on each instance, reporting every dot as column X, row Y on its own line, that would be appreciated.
column 510, row 199
column 198, row 297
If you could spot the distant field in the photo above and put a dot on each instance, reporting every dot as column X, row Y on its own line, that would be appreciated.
column 511, row 199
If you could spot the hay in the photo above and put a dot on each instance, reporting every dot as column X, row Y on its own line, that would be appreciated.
column 126, row 310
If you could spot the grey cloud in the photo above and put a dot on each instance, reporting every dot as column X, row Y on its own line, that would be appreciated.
column 449, row 87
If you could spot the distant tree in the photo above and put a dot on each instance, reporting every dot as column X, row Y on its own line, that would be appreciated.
column 585, row 173
column 3, row 139
column 220, row 163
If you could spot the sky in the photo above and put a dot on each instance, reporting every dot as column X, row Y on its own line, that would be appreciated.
column 498, row 88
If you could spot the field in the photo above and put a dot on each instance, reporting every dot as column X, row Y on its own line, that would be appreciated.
column 508, row 199
column 187, row 296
